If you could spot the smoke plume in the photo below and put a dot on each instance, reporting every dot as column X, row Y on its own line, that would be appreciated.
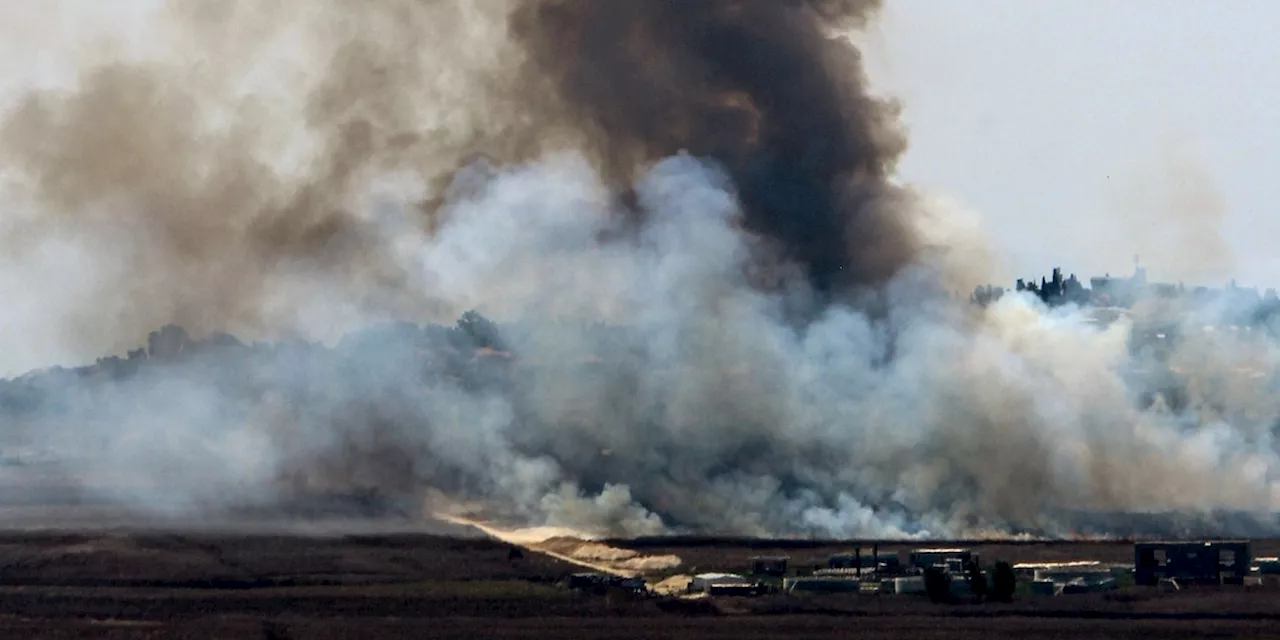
column 764, row 88
column 712, row 308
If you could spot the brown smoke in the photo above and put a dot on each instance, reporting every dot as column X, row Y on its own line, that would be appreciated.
column 183, row 159
column 268, row 166
column 220, row 174
column 1170, row 211
column 764, row 87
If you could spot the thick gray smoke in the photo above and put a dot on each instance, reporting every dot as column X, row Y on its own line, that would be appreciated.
column 763, row 87
column 651, row 371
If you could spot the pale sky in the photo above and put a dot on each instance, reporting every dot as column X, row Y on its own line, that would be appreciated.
column 1071, row 125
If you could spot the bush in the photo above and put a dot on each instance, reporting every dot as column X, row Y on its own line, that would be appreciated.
column 1003, row 582
column 937, row 584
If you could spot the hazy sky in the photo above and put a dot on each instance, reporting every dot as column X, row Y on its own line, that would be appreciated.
column 1074, row 126
column 1083, row 131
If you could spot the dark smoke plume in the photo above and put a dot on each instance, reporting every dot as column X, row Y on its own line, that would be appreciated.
column 305, row 168
column 763, row 87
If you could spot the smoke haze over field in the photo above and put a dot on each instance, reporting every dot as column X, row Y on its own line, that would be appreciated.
column 725, row 315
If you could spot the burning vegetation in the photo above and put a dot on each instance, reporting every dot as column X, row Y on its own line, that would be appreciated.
column 714, row 310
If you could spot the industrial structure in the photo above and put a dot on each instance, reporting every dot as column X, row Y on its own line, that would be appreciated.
column 775, row 566
column 1191, row 562
column 876, row 562
column 725, row 584
column 957, row 574
column 953, row 560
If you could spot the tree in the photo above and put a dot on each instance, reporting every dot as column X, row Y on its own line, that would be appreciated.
column 482, row 331
column 1003, row 582
column 937, row 584
column 167, row 344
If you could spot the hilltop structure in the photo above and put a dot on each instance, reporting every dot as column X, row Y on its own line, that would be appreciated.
column 1231, row 304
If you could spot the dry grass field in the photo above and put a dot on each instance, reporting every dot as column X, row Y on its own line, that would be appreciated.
column 153, row 585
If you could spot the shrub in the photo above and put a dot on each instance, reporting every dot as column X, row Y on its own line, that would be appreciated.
column 937, row 584
column 1003, row 582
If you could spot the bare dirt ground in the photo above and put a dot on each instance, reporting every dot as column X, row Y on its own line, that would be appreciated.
column 181, row 585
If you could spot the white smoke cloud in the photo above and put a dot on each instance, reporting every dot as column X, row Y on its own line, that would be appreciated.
column 710, row 406
column 960, row 419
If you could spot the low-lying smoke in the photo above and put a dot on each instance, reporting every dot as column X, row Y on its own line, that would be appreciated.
column 643, row 195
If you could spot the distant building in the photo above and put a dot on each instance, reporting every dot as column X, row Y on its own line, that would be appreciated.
column 1192, row 562
column 769, row 565
column 1117, row 291
column 708, row 582
column 874, row 562
column 1231, row 305
column 949, row 558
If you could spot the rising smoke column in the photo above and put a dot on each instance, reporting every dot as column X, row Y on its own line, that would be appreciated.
column 244, row 166
column 156, row 190
column 223, row 238
column 765, row 88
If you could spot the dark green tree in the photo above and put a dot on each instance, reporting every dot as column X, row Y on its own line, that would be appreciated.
column 482, row 331
column 937, row 584
column 1003, row 582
